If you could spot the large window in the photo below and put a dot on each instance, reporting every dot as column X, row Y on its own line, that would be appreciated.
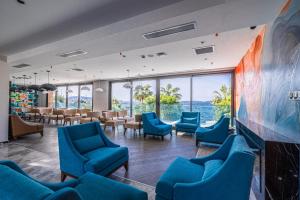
column 73, row 96
column 208, row 94
column 211, row 97
column 61, row 97
column 86, row 96
column 120, row 97
column 143, row 96
column 174, row 98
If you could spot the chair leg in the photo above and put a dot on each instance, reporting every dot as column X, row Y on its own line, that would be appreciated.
column 197, row 142
column 42, row 133
column 126, row 166
column 145, row 135
column 125, row 129
column 176, row 132
column 104, row 127
column 63, row 176
column 162, row 138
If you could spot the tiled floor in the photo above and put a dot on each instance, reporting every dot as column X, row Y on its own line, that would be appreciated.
column 149, row 157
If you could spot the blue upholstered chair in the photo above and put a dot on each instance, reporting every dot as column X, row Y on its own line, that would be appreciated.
column 15, row 184
column 154, row 126
column 216, row 133
column 225, row 174
column 189, row 122
column 84, row 148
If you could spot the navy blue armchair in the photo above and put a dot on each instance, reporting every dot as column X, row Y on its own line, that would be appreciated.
column 189, row 122
column 225, row 174
column 154, row 126
column 216, row 133
column 15, row 184
column 84, row 148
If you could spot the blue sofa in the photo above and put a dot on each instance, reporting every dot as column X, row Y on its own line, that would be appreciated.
column 216, row 133
column 154, row 126
column 189, row 122
column 84, row 148
column 225, row 174
column 15, row 184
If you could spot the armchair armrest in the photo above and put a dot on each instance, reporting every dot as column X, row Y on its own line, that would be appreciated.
column 220, row 153
column 58, row 186
column 238, row 187
column 65, row 194
column 69, row 157
column 13, row 166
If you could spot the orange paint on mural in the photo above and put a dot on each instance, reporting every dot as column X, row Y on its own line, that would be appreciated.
column 248, row 79
column 286, row 6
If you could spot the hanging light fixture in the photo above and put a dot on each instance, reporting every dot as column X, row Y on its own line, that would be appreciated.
column 34, row 87
column 85, row 88
column 13, row 87
column 47, row 86
column 69, row 91
column 128, row 84
column 23, row 87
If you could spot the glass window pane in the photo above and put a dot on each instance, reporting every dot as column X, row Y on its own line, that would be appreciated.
column 174, row 98
column 143, row 98
column 120, row 97
column 212, row 97
column 73, row 96
column 61, row 97
column 86, row 96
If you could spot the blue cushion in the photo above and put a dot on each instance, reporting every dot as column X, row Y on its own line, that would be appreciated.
column 180, row 171
column 94, row 187
column 89, row 143
column 102, row 158
column 211, row 167
column 14, row 185
column 187, row 126
column 189, row 120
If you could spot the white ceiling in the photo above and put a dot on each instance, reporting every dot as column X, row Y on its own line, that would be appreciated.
column 43, row 37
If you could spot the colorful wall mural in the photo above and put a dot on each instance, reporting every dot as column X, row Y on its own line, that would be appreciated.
column 268, row 71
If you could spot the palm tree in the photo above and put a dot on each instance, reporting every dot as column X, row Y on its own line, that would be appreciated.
column 222, row 100
column 142, row 92
column 171, row 91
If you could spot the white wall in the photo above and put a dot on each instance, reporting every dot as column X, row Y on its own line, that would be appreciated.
column 4, row 99
column 100, row 99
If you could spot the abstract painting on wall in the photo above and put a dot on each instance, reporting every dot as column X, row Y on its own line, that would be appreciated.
column 268, row 71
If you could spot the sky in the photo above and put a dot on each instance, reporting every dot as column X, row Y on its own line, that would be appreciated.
column 203, row 86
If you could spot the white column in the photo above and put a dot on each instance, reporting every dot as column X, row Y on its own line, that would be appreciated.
column 4, row 99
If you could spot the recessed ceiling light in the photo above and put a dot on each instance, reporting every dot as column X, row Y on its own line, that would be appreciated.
column 78, row 52
column 150, row 55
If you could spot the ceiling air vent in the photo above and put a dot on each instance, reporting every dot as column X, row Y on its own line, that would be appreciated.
column 204, row 50
column 73, row 53
column 170, row 30
column 21, row 66
column 77, row 69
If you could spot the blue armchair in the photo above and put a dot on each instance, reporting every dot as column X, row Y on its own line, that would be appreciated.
column 219, row 175
column 15, row 184
column 84, row 148
column 216, row 133
column 189, row 122
column 154, row 126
